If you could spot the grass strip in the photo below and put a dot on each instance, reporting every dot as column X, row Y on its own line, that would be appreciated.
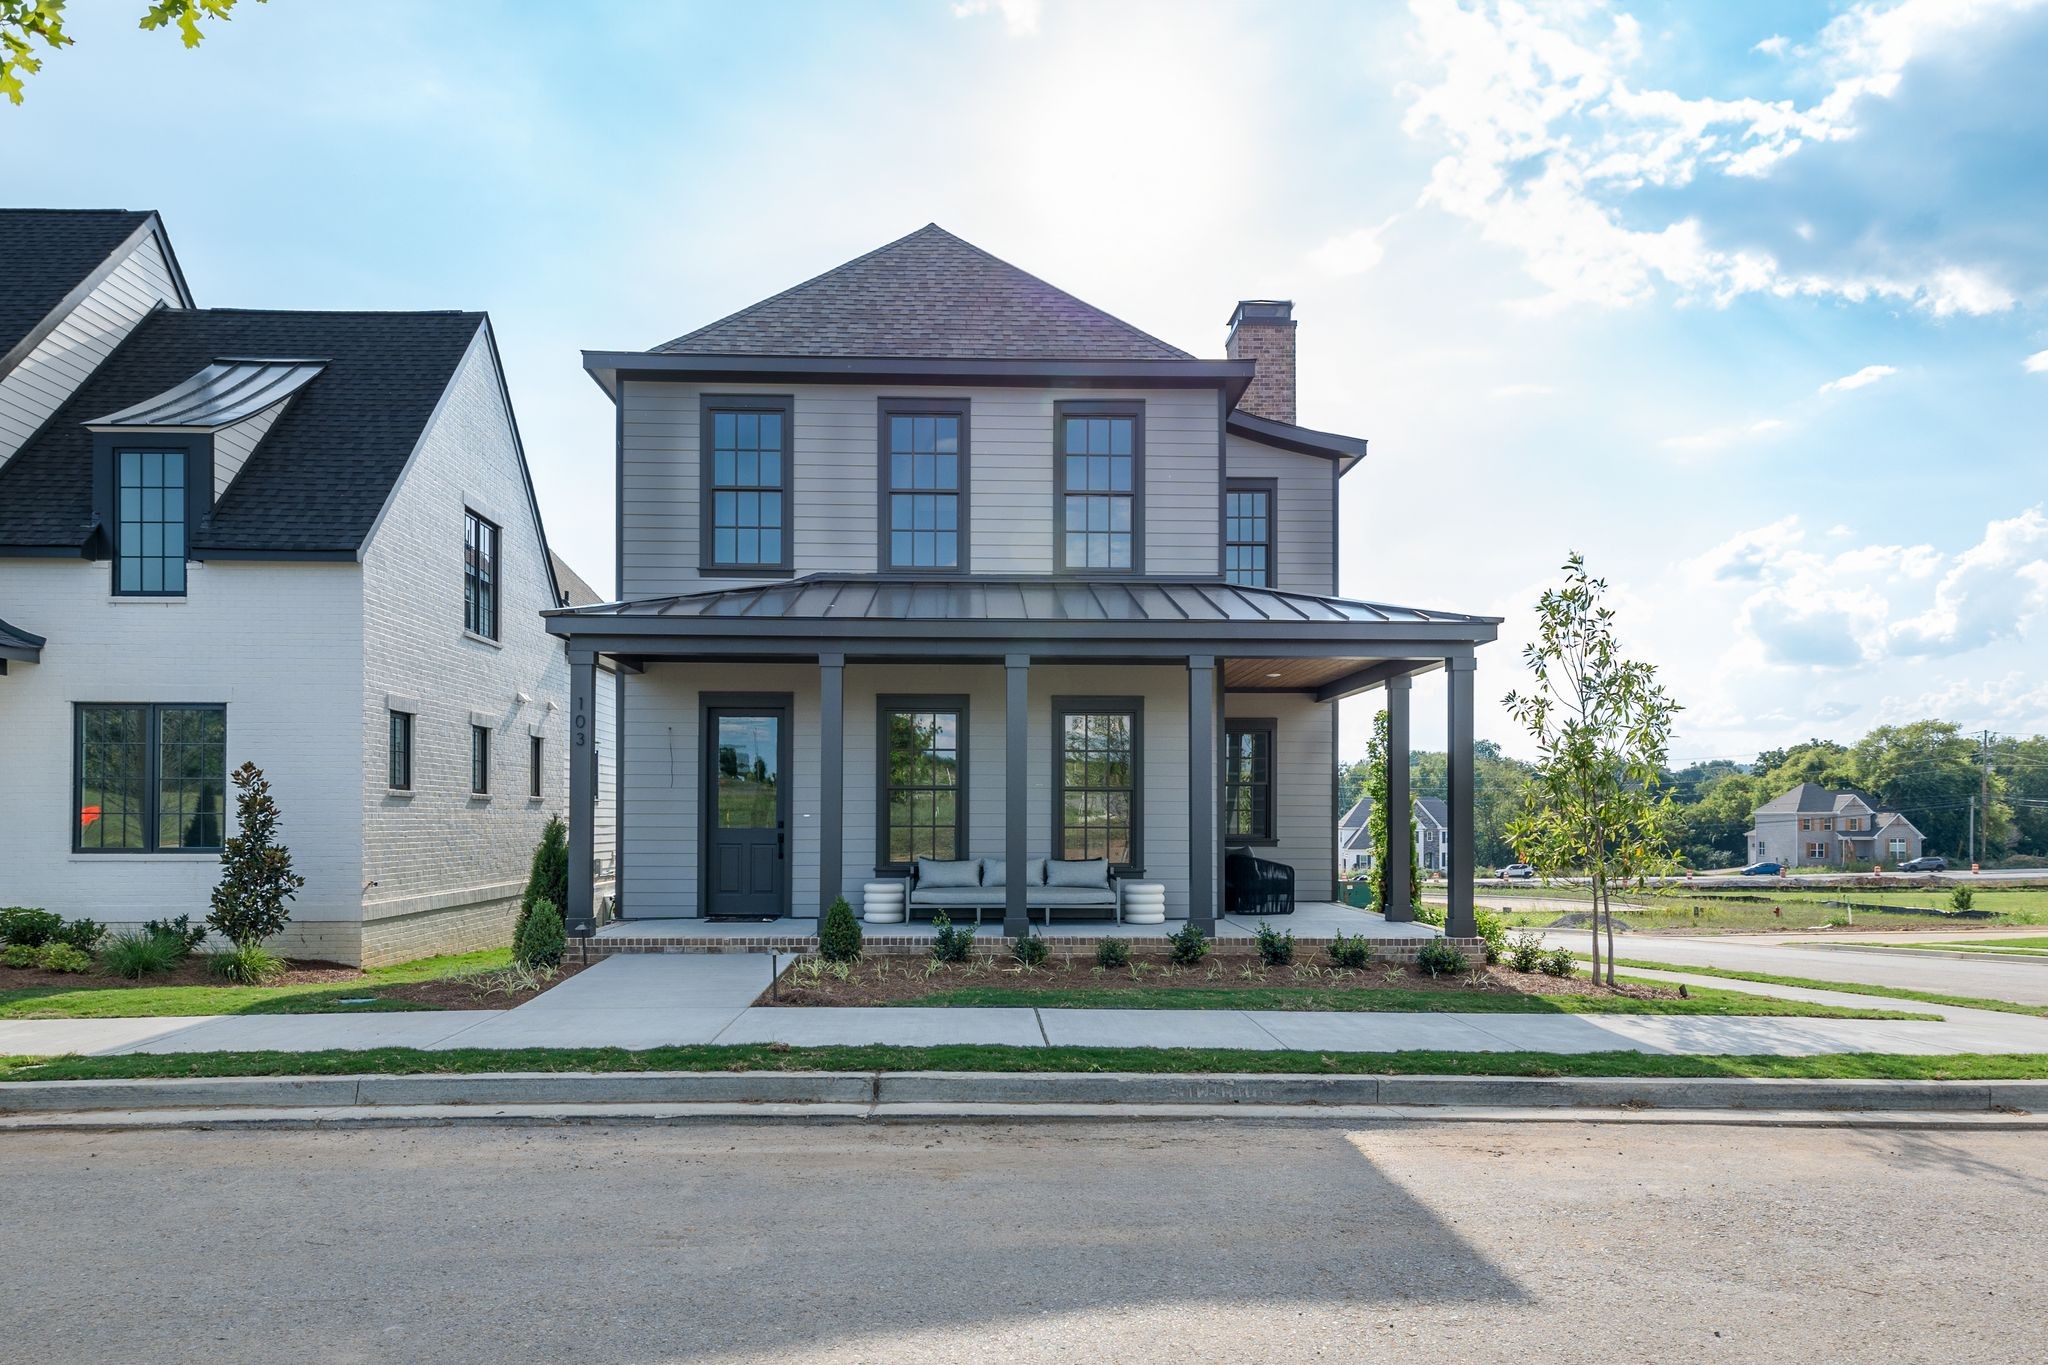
column 106, row 999
column 1847, row 987
column 989, row 1058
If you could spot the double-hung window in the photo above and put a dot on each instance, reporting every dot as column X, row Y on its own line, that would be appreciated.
column 1098, row 767
column 924, row 485
column 922, row 743
column 745, row 474
column 1099, row 468
column 1248, row 532
column 479, row 760
column 149, row 530
column 150, row 778
column 399, row 762
column 479, row 576
column 1248, row 780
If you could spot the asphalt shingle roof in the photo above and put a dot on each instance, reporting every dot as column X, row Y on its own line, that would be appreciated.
column 323, row 471
column 929, row 295
column 575, row 592
column 44, row 253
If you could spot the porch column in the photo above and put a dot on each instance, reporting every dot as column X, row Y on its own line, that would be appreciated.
column 1204, row 797
column 1016, row 789
column 579, row 916
column 1400, row 906
column 1458, row 922
column 831, row 780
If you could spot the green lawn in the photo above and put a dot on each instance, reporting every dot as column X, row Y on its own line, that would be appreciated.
column 1853, row 988
column 99, row 998
column 2008, row 947
column 776, row 1057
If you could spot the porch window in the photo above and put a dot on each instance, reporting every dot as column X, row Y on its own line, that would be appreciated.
column 1099, row 461
column 1248, row 781
column 149, row 534
column 479, row 576
column 1096, row 807
column 150, row 779
column 923, row 767
column 746, row 446
column 1248, row 532
column 924, row 485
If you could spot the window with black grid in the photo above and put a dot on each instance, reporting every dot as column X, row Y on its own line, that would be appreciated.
column 479, row 760
column 747, row 469
column 400, row 775
column 923, row 467
column 479, row 576
column 1098, row 464
column 1096, row 804
column 1248, row 780
column 150, row 779
column 1248, row 535
column 149, row 538
column 924, row 800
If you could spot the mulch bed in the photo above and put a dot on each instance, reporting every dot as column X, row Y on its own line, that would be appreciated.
column 887, row 981
column 451, row 993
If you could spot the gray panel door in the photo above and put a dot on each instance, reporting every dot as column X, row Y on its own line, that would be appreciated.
column 747, row 811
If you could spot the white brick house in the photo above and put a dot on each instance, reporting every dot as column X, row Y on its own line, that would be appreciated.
column 304, row 540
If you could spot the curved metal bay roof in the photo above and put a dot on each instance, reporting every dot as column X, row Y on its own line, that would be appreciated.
column 225, row 392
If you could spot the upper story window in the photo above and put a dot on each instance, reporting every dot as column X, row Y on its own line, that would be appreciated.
column 149, row 535
column 399, row 776
column 1248, row 532
column 1099, row 465
column 150, row 779
column 924, row 485
column 479, row 576
column 746, row 450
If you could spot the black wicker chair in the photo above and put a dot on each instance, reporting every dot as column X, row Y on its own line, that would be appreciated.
column 1256, row 886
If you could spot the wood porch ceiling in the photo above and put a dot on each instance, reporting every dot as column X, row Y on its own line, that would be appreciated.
column 1291, row 675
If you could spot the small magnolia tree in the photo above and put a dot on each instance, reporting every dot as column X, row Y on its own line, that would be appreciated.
column 1376, row 824
column 1602, row 726
column 256, row 877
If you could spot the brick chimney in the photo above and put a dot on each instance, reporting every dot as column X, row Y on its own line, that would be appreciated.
column 1262, row 330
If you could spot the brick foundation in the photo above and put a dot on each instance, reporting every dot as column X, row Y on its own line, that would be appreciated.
column 1402, row 950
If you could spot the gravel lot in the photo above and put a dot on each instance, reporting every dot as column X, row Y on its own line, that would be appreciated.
column 1169, row 1242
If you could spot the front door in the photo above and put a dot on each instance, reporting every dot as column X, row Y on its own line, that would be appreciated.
column 746, row 835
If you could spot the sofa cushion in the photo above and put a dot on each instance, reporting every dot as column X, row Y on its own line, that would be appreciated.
column 960, row 898
column 1090, row 872
column 1057, row 897
column 994, row 871
column 935, row 874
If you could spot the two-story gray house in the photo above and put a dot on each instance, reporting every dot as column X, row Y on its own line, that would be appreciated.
column 1432, row 835
column 927, row 559
column 1810, row 826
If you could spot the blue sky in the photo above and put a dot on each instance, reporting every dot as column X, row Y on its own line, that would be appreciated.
column 1737, row 299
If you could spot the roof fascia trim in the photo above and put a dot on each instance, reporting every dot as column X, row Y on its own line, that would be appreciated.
column 1346, row 450
column 36, row 335
column 608, row 367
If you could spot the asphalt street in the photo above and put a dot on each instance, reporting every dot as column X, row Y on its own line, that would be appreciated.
column 1217, row 1240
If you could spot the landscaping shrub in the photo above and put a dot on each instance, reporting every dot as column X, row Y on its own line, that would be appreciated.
column 1349, row 952
column 839, row 936
column 29, row 928
column 256, row 877
column 1030, row 949
column 62, row 957
column 1493, row 931
column 1440, row 957
column 1961, row 898
column 18, row 955
column 1432, row 915
column 547, row 879
column 1112, row 952
column 1527, row 953
column 82, row 934
column 135, row 956
column 950, row 944
column 539, row 942
column 1275, row 949
column 180, row 929
column 1186, row 946
column 1559, row 963
column 246, row 964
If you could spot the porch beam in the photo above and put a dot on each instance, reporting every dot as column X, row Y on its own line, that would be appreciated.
column 1459, row 921
column 1400, row 906
column 831, row 780
column 1016, row 789
column 1204, row 798
column 579, row 917
column 1371, row 676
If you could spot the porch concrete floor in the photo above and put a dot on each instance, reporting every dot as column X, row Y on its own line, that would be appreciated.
column 1311, row 919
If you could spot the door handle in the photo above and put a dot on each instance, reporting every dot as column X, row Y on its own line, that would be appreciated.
column 780, row 839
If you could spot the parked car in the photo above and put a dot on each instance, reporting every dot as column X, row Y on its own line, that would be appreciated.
column 1764, row 870
column 1931, row 863
column 1520, row 872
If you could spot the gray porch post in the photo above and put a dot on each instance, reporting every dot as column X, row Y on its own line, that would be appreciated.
column 579, row 916
column 1400, row 906
column 1204, row 798
column 1458, row 922
column 831, row 780
column 1016, row 789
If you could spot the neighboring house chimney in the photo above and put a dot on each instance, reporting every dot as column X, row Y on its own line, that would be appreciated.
column 1262, row 330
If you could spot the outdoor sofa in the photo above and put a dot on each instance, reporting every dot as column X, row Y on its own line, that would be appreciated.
column 1256, row 886
column 977, row 884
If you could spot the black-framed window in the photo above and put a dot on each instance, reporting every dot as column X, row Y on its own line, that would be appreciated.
column 1248, row 784
column 400, row 756
column 535, row 751
column 149, row 778
column 745, row 474
column 479, row 760
column 1099, row 460
column 924, row 485
column 151, row 501
column 480, row 540
column 921, row 762
column 1098, row 765
column 1248, row 532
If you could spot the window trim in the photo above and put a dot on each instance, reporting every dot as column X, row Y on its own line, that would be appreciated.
column 151, row 771
column 391, row 750
column 709, row 405
column 1271, row 488
column 479, row 748
column 885, row 408
column 536, row 766
column 198, row 453
column 497, row 577
column 1064, row 706
column 904, row 701
column 1133, row 408
column 1270, row 727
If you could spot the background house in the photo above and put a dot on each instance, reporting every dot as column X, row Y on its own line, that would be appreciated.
column 1432, row 829
column 1810, row 826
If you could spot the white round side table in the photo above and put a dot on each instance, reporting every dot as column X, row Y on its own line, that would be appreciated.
column 1144, row 902
column 882, row 902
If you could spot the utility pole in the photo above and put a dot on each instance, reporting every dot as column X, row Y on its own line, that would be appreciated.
column 1984, row 777
column 1973, row 829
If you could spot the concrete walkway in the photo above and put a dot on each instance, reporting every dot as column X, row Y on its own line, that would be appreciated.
column 644, row 1001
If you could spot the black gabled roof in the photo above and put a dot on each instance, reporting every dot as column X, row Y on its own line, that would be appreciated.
column 322, row 473
column 929, row 295
column 46, row 253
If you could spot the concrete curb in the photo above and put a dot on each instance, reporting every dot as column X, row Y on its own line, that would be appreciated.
column 885, row 1091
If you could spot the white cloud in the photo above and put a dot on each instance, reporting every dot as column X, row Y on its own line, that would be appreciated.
column 1992, row 593
column 1521, row 391
column 2037, row 363
column 1020, row 17
column 1720, row 437
column 2016, row 701
column 1862, row 379
column 1353, row 253
column 1773, row 46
